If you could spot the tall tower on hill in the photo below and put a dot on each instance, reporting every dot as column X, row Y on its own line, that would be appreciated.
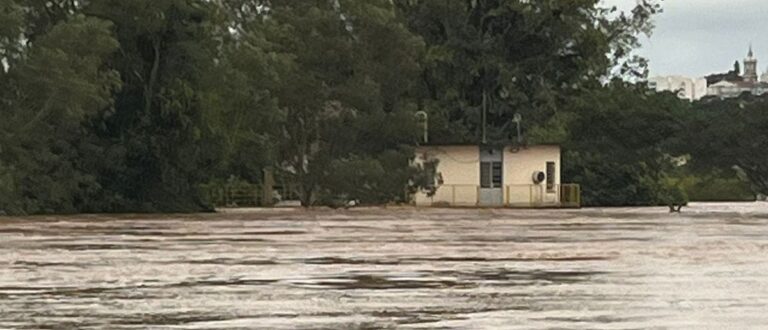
column 750, row 66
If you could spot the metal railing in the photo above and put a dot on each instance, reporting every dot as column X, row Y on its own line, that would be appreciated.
column 530, row 195
column 233, row 195
column 543, row 195
column 456, row 195
column 523, row 196
column 570, row 195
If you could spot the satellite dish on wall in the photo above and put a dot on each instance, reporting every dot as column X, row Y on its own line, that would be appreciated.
column 539, row 177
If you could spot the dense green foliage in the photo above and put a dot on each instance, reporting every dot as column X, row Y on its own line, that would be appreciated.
column 617, row 145
column 345, row 70
column 114, row 105
column 730, row 135
column 714, row 186
column 527, row 57
column 52, row 85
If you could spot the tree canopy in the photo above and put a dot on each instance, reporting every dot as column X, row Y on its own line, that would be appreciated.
column 731, row 135
column 527, row 57
column 115, row 106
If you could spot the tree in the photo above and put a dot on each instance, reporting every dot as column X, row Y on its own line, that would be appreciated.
column 241, row 105
column 620, row 142
column 11, row 20
column 156, row 132
column 344, row 73
column 51, row 86
column 730, row 134
column 508, row 57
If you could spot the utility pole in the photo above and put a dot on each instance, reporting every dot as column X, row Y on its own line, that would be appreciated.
column 485, row 117
column 425, row 117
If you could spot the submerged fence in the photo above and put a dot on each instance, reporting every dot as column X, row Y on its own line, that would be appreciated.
column 232, row 195
column 524, row 196
column 247, row 195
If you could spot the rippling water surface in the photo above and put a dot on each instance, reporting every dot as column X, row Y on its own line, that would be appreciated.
column 632, row 268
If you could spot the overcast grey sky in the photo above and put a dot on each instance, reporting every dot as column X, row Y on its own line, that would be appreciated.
column 698, row 37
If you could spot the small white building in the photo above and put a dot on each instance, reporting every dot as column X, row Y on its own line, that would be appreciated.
column 692, row 89
column 730, row 89
column 474, row 176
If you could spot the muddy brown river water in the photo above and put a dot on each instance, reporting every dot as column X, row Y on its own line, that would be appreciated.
column 628, row 268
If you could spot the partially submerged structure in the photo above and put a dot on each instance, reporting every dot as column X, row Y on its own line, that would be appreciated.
column 476, row 176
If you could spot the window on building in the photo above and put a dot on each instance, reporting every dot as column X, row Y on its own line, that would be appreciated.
column 485, row 175
column 551, row 175
column 491, row 174
column 496, row 176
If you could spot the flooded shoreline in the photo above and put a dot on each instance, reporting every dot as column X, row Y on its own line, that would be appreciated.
column 623, row 268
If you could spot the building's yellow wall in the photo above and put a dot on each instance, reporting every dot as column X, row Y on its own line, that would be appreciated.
column 518, row 174
column 460, row 169
column 519, row 166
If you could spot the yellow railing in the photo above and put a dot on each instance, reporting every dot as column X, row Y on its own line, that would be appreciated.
column 455, row 195
column 529, row 195
column 570, row 195
column 233, row 195
column 247, row 195
column 523, row 196
column 543, row 195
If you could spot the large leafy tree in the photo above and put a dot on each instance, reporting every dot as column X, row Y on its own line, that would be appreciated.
column 156, row 130
column 731, row 134
column 53, row 78
column 508, row 57
column 344, row 72
column 619, row 144
column 240, row 105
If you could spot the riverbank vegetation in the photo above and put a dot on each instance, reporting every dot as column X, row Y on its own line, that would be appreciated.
column 118, row 106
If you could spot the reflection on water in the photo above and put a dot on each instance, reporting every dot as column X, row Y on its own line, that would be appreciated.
column 633, row 268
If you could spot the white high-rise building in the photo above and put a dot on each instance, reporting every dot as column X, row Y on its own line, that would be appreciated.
column 691, row 89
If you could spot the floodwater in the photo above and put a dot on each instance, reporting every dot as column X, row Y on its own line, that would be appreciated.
column 628, row 268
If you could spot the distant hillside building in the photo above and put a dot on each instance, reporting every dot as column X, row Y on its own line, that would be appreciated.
column 728, row 89
column 733, row 83
column 691, row 89
column 750, row 67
